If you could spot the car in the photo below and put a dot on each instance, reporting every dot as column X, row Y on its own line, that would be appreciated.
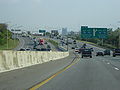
column 107, row 52
column 22, row 49
column 81, row 49
column 92, row 49
column 76, row 49
column 69, row 42
column 37, row 49
column 27, row 49
column 99, row 54
column 73, row 48
column 43, row 49
column 87, row 53
column 74, row 42
column 66, row 43
column 46, row 43
column 116, row 52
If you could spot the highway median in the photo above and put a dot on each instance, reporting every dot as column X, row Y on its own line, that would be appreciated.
column 10, row 60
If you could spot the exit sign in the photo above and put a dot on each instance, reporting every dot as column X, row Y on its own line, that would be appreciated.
column 93, row 32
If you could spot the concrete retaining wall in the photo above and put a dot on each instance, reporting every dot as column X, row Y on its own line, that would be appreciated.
column 10, row 60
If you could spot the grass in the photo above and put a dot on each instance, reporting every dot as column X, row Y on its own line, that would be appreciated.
column 53, row 42
column 108, row 46
column 11, row 45
column 87, row 42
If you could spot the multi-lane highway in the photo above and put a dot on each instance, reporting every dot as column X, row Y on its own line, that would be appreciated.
column 28, row 43
column 97, row 73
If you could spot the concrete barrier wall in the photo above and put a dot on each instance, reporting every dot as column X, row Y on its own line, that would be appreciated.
column 10, row 60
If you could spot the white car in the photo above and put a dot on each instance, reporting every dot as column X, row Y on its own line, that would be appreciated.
column 76, row 49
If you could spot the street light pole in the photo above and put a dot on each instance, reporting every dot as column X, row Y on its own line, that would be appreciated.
column 119, row 37
column 67, row 42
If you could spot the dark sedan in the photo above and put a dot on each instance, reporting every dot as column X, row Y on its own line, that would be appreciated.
column 99, row 54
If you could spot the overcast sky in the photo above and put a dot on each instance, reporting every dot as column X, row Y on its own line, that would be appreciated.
column 55, row 14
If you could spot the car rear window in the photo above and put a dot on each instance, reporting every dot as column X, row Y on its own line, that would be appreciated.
column 117, row 50
column 86, row 51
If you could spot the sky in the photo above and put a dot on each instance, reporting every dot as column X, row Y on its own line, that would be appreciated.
column 33, row 15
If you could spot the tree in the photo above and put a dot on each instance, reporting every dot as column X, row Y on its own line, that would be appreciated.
column 3, row 33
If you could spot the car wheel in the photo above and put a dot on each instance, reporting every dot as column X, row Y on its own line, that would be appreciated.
column 82, row 56
column 113, row 55
column 90, row 56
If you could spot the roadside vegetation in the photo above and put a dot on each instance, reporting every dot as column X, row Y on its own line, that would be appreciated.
column 6, row 41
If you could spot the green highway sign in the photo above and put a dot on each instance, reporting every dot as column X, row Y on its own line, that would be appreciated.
column 86, row 33
column 100, row 32
column 42, row 31
column 93, row 32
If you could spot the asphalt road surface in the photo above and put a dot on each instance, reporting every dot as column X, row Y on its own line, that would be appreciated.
column 25, row 42
column 23, row 79
column 97, row 73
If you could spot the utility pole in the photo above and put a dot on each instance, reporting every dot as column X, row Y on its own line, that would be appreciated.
column 7, row 39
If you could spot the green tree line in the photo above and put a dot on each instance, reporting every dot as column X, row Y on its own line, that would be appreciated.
column 4, row 32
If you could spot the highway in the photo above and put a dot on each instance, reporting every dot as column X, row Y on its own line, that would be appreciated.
column 27, row 42
column 97, row 73
column 71, row 73
column 87, row 74
column 23, row 79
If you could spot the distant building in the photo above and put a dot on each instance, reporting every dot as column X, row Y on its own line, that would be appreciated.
column 71, row 33
column 64, row 31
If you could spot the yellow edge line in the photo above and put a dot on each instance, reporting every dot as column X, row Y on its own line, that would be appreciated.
column 47, row 80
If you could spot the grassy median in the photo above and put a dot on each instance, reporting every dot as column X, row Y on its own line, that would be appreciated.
column 11, row 44
column 53, row 42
